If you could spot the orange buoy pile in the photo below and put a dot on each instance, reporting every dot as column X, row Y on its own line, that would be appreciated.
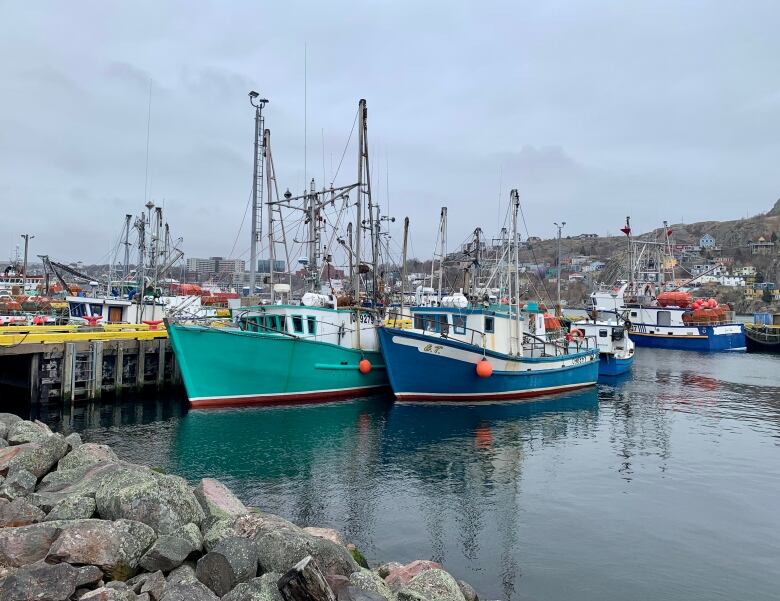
column 484, row 369
column 674, row 299
column 364, row 366
column 706, row 311
column 551, row 322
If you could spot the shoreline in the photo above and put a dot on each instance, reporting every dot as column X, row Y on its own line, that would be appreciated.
column 77, row 522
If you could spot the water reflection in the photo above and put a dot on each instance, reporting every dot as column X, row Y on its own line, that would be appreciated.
column 665, row 471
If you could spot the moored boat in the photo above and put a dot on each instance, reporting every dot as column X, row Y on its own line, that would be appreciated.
column 616, row 349
column 466, row 349
column 279, row 353
column 763, row 335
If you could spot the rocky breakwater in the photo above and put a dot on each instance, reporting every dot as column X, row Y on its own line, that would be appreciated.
column 76, row 522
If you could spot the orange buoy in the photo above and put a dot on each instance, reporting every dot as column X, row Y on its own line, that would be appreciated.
column 484, row 369
column 364, row 366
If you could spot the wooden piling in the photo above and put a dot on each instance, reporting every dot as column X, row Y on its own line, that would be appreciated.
column 68, row 359
column 161, row 344
column 141, row 364
column 96, row 385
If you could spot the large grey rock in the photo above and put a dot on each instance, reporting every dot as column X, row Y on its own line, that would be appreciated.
column 215, row 530
column 187, row 591
column 19, row 484
column 40, row 460
column 40, row 582
column 190, row 532
column 3, row 443
column 367, row 580
column 107, row 593
column 185, row 573
column 167, row 553
column 8, row 454
column 8, row 419
column 72, row 508
column 115, row 547
column 88, row 575
column 88, row 453
column 281, row 544
column 327, row 533
column 23, row 431
column 82, row 481
column 154, row 586
column 26, row 544
column 263, row 588
column 232, row 561
column 163, row 502
column 217, row 500
column 431, row 585
column 73, row 440
column 468, row 591
column 352, row 593
column 19, row 513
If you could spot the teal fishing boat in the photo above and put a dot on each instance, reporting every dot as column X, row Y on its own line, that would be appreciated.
column 279, row 354
column 322, row 347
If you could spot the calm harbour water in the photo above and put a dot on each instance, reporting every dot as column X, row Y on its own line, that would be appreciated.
column 663, row 485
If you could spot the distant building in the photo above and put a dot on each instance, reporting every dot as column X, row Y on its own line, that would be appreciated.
column 264, row 266
column 762, row 247
column 707, row 241
column 745, row 271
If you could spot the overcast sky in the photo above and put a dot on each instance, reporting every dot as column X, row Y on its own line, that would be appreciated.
column 593, row 110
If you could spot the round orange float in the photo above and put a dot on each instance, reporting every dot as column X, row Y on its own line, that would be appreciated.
column 484, row 369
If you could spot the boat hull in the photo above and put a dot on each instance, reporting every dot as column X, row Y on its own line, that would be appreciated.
column 228, row 367
column 729, row 337
column 760, row 346
column 419, row 372
column 609, row 365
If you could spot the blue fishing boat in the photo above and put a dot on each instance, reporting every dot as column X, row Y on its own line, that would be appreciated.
column 455, row 354
column 657, row 309
column 466, row 348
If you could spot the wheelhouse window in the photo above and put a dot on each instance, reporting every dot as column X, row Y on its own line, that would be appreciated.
column 297, row 324
column 282, row 323
column 78, row 309
column 459, row 324
column 490, row 325
column 428, row 322
column 603, row 334
column 664, row 318
column 311, row 321
column 96, row 309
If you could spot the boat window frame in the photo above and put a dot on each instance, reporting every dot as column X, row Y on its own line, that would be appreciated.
column 297, row 324
column 492, row 321
column 311, row 325
column 281, row 321
column 667, row 318
column 459, row 324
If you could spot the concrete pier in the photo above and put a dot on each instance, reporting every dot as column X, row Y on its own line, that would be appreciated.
column 68, row 364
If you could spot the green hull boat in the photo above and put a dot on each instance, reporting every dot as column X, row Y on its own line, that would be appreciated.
column 262, row 364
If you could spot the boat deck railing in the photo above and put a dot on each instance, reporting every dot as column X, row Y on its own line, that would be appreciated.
column 763, row 333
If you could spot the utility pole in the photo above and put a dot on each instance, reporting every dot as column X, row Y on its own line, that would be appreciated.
column 558, row 305
column 257, row 185
column 24, row 268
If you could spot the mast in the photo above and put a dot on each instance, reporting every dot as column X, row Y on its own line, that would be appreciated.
column 359, row 215
column 403, row 264
column 257, row 186
column 271, row 246
column 443, row 247
column 141, row 225
column 126, row 270
column 313, row 211
column 558, row 270
column 349, row 244
column 627, row 231
column 515, row 200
